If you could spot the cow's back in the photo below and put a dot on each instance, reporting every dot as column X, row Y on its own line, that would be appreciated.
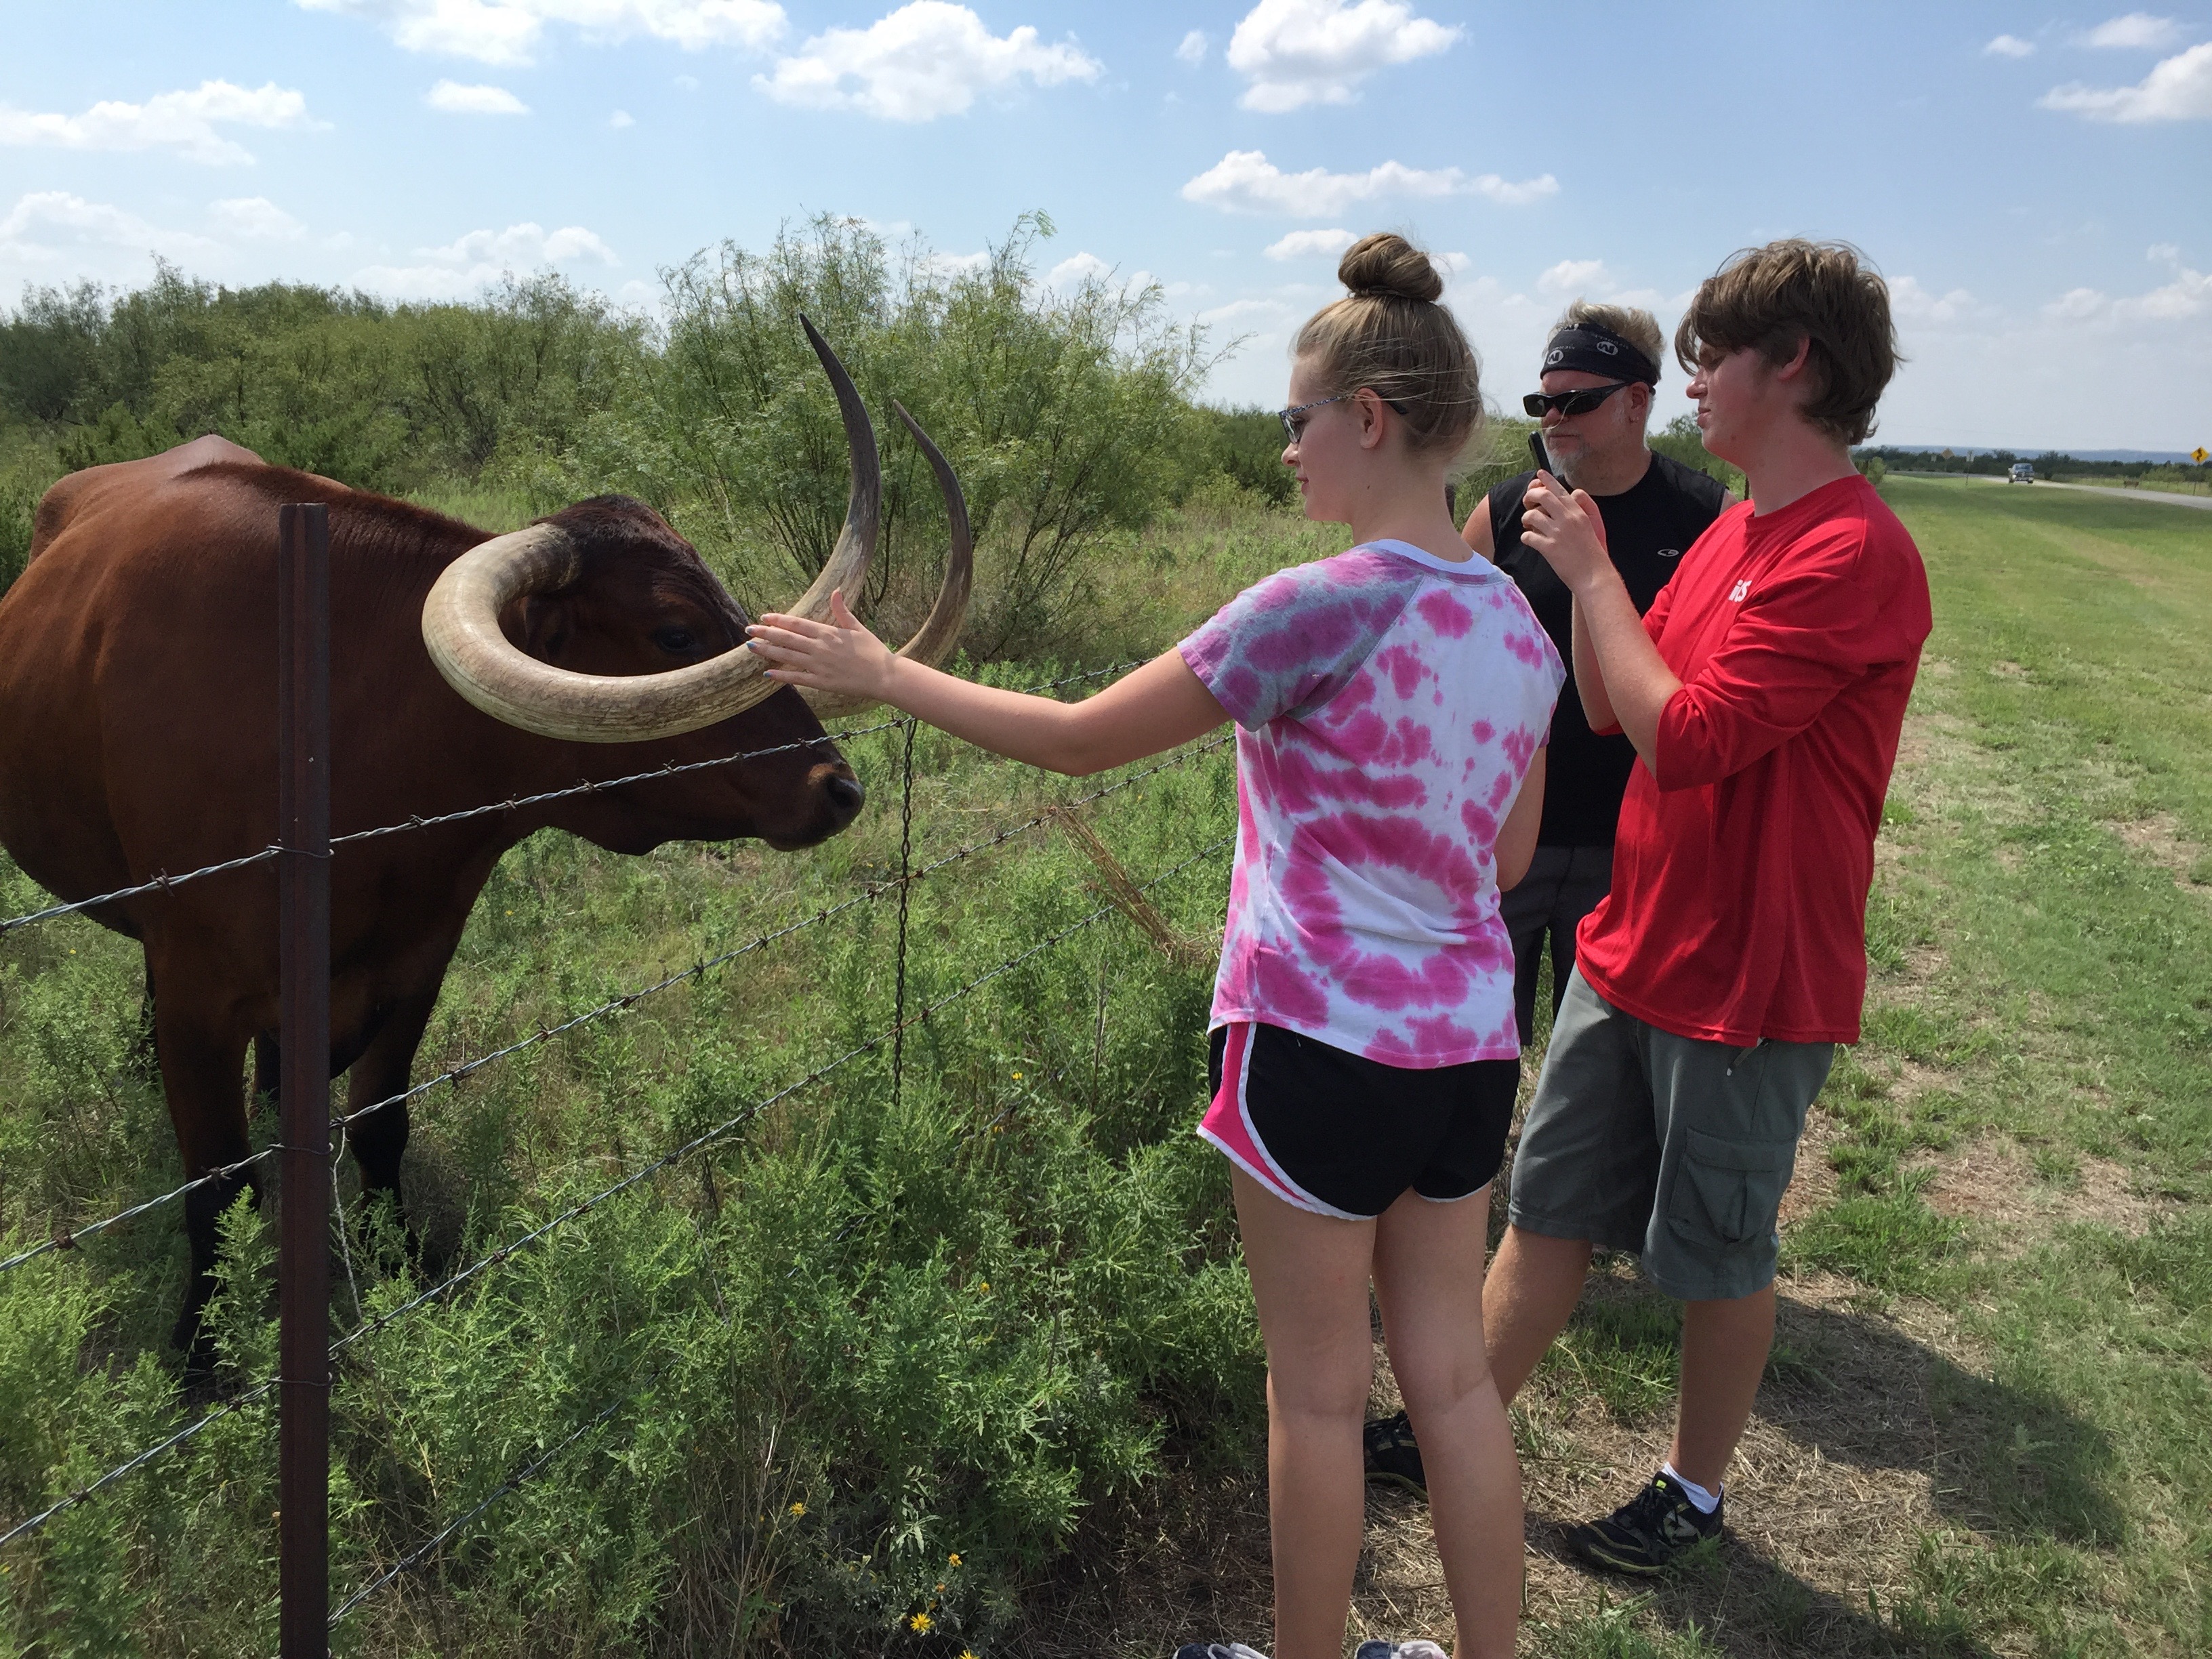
column 138, row 674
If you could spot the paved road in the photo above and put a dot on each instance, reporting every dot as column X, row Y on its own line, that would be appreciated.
column 2203, row 503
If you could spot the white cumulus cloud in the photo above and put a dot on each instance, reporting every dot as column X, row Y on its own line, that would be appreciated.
column 509, row 31
column 1307, row 244
column 1913, row 302
column 925, row 59
column 1192, row 49
column 464, row 267
column 1077, row 269
column 456, row 99
column 1246, row 181
column 2138, row 31
column 184, row 121
column 2177, row 90
column 1574, row 277
column 2009, row 45
column 255, row 219
column 1297, row 52
column 43, row 225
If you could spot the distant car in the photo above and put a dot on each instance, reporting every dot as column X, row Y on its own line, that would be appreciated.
column 2021, row 473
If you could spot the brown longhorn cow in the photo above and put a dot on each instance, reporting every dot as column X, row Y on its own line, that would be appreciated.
column 138, row 734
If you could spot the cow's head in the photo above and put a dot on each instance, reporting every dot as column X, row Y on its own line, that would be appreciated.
column 602, row 625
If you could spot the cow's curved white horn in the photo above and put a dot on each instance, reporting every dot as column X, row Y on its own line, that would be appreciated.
column 942, row 626
column 460, row 620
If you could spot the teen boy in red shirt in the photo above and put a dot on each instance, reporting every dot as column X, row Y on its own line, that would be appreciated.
column 1764, row 693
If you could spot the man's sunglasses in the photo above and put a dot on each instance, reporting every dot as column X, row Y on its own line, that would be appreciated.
column 1295, row 418
column 1578, row 401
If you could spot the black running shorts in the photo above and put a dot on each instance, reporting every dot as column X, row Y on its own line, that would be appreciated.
column 1342, row 1135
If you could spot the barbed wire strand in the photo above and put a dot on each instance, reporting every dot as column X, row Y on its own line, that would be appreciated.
column 69, row 1237
column 238, row 1404
column 616, row 1004
column 719, row 1132
column 422, row 1551
column 730, row 1126
column 159, row 884
column 163, row 883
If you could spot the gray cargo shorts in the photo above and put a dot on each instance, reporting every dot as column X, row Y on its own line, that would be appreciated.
column 1665, row 1147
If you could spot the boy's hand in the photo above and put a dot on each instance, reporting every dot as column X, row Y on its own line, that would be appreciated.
column 838, row 655
column 1566, row 529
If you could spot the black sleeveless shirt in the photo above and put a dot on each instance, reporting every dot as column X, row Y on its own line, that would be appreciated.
column 1647, row 527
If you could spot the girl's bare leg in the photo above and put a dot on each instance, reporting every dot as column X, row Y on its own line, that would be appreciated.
column 1310, row 1275
column 1432, row 1322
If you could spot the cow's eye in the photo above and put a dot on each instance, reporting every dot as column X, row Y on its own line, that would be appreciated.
column 677, row 641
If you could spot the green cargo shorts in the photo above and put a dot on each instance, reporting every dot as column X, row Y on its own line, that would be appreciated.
column 1665, row 1147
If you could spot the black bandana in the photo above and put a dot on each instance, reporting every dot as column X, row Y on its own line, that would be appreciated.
column 1595, row 350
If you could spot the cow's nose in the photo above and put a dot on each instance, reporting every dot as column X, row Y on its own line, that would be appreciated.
column 845, row 795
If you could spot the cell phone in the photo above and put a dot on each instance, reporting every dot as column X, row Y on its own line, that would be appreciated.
column 1538, row 453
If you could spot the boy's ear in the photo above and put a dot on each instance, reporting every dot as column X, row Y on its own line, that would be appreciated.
column 1793, row 369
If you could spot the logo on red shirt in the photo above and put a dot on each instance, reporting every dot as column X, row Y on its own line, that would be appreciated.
column 1739, row 590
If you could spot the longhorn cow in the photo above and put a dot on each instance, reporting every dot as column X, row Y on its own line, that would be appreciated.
column 137, row 737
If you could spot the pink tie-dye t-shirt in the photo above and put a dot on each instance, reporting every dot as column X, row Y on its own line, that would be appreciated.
column 1388, row 705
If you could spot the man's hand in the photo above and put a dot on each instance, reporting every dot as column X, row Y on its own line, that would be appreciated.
column 838, row 655
column 1566, row 529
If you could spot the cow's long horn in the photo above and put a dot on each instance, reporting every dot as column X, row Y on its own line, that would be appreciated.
column 942, row 626
column 460, row 620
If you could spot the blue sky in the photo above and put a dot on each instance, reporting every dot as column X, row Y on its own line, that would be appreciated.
column 2037, row 184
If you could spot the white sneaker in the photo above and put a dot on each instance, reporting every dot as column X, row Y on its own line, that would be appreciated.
column 1223, row 1650
column 1419, row 1647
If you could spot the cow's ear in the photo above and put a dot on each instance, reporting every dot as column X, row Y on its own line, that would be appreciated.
column 544, row 627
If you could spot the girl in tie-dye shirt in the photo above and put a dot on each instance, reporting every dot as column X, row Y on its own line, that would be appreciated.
column 1390, row 703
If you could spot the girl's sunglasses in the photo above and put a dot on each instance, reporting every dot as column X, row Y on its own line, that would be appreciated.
column 1295, row 418
column 1579, row 402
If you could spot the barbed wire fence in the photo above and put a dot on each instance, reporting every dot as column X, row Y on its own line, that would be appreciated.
column 1124, row 896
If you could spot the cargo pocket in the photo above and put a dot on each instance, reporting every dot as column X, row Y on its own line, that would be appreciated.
column 1727, row 1193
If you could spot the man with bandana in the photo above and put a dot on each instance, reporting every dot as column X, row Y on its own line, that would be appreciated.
column 1601, row 366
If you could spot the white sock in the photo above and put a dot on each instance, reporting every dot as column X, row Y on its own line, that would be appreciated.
column 1707, row 1502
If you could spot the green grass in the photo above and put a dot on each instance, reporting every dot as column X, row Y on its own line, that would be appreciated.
column 2064, row 708
column 800, row 1319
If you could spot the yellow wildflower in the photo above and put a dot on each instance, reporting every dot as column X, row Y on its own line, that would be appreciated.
column 954, row 1559
column 919, row 1623
column 797, row 1509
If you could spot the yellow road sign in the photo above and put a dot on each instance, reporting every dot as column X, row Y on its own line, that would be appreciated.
column 2200, row 454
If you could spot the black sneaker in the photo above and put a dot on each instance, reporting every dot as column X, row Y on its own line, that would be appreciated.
column 1218, row 1650
column 1652, row 1529
column 1390, row 1454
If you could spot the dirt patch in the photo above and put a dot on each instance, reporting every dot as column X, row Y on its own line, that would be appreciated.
column 1812, row 1183
column 1844, row 1465
column 1993, row 1179
column 2161, row 839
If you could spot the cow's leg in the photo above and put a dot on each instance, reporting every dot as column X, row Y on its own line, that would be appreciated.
column 201, row 1065
column 382, row 1071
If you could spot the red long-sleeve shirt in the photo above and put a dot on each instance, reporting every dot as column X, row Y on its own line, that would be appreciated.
column 1741, row 870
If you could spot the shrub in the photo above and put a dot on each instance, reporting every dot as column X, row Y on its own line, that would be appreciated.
column 1066, row 415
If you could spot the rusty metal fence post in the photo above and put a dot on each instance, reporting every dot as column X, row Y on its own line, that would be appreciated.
column 303, row 807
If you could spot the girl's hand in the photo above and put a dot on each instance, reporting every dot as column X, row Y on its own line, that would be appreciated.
column 838, row 655
column 1566, row 529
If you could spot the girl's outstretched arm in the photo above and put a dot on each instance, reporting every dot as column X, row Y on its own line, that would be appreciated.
column 1157, row 706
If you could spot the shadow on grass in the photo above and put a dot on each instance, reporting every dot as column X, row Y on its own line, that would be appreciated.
column 1728, row 1600
column 2001, row 1457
